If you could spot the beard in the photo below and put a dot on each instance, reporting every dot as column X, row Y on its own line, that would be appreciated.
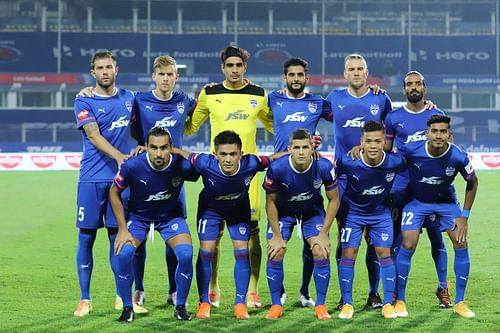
column 295, row 91
column 414, row 97
column 106, row 85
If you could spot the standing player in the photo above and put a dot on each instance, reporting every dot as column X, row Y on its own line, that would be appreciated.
column 234, row 104
column 352, row 108
column 366, row 198
column 104, row 120
column 155, row 181
column 433, row 166
column 405, row 127
column 292, row 110
column 169, row 109
column 293, row 197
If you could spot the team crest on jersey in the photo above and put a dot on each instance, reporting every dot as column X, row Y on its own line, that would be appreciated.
column 175, row 226
column 128, row 105
column 319, row 227
column 253, row 103
column 384, row 236
column 242, row 230
column 390, row 176
column 248, row 180
column 312, row 107
column 374, row 109
column 449, row 171
column 317, row 183
column 176, row 181
column 180, row 107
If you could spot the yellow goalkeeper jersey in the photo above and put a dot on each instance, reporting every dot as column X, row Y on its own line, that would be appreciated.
column 232, row 109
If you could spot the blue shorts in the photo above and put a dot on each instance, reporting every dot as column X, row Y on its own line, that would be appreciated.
column 310, row 227
column 400, row 198
column 210, row 224
column 167, row 229
column 380, row 229
column 415, row 213
column 93, row 209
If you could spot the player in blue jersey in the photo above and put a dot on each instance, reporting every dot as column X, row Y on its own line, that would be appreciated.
column 155, row 181
column 433, row 166
column 352, row 108
column 367, row 201
column 226, row 178
column 293, row 197
column 405, row 127
column 166, row 108
column 292, row 110
column 104, row 120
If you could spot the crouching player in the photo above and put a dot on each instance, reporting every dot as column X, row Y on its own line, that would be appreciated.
column 155, row 180
column 366, row 199
column 293, row 197
column 226, row 177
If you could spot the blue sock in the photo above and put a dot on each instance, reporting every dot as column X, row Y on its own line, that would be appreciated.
column 241, row 275
column 307, row 268
column 321, row 279
column 125, row 274
column 204, row 273
column 462, row 268
column 439, row 255
column 113, row 260
column 403, row 265
column 274, row 272
column 373, row 268
column 139, row 264
column 184, row 271
column 85, row 260
column 388, row 275
column 171, row 260
column 346, row 277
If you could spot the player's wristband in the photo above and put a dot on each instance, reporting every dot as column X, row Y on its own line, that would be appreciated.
column 466, row 213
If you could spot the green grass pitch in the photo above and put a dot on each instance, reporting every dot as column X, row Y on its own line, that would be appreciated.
column 39, row 289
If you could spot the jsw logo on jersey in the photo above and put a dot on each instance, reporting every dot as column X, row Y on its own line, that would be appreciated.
column 227, row 197
column 431, row 180
column 121, row 122
column 238, row 115
column 374, row 190
column 301, row 197
column 162, row 195
column 355, row 122
column 297, row 116
column 415, row 137
column 165, row 122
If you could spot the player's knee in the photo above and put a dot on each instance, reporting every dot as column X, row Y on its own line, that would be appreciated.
column 254, row 228
column 184, row 252
column 126, row 254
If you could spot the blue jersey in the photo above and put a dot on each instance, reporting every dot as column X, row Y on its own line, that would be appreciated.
column 227, row 195
column 368, row 187
column 290, row 114
column 299, row 193
column 405, row 127
column 113, row 115
column 154, row 194
column 431, row 178
column 171, row 114
column 350, row 113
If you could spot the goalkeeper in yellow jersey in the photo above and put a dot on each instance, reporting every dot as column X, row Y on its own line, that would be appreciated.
column 234, row 104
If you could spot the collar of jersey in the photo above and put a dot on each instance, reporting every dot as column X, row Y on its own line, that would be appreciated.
column 245, row 83
column 234, row 174
column 152, row 167
column 373, row 166
column 295, row 170
column 104, row 96
column 439, row 156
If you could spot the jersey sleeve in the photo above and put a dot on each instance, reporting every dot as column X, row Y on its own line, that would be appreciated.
column 265, row 115
column 467, row 170
column 327, row 112
column 121, row 178
column 390, row 131
column 270, row 185
column 189, row 171
column 199, row 116
column 264, row 162
column 198, row 160
column 329, row 176
column 83, row 113
column 387, row 106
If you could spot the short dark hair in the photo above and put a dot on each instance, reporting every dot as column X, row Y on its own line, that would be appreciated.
column 234, row 51
column 159, row 131
column 295, row 62
column 373, row 126
column 227, row 138
column 300, row 134
column 413, row 73
column 437, row 118
column 101, row 55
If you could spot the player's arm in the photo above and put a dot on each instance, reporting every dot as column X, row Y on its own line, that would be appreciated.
column 461, row 223
column 199, row 116
column 265, row 116
column 275, row 244
column 277, row 155
column 184, row 153
column 94, row 134
column 323, row 240
column 123, row 236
